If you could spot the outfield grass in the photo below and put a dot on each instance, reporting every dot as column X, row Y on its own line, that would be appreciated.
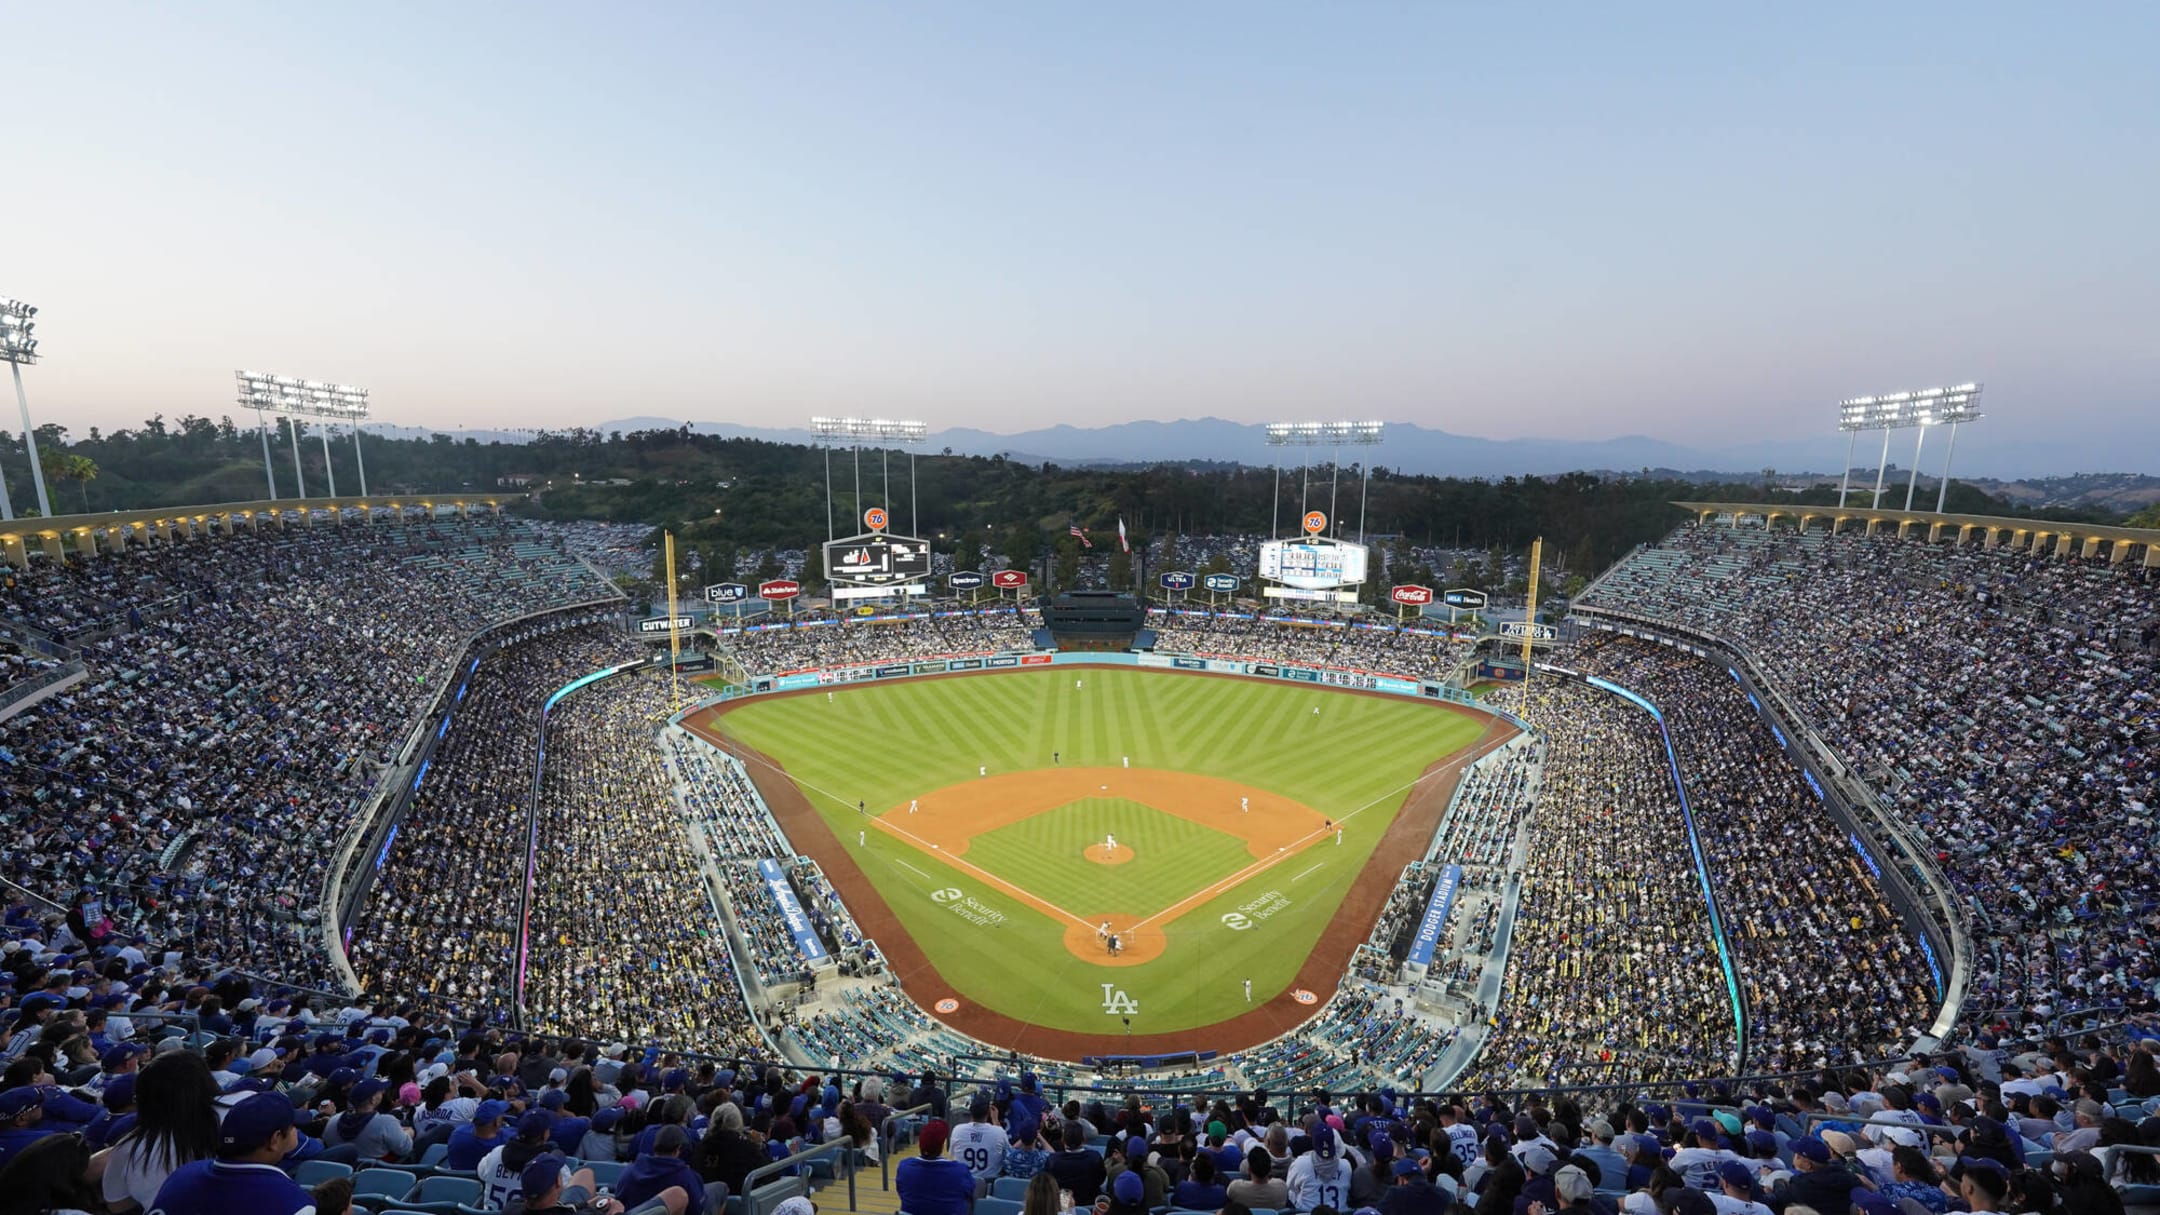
column 880, row 744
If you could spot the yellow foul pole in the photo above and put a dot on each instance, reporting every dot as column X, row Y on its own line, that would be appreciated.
column 1537, row 547
column 674, row 634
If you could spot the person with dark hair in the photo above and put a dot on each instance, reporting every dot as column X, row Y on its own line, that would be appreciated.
column 1502, row 1180
column 243, row 1178
column 1259, row 1188
column 1077, row 1167
column 1912, row 1175
column 2141, row 1074
column 1982, row 1182
column 2082, row 1187
column 662, row 1175
column 176, row 1123
column 48, row 1176
column 1202, row 1189
column 373, row 1134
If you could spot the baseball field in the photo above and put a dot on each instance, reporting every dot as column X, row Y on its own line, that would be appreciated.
column 992, row 832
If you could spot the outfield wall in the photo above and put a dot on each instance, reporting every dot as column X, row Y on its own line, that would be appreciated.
column 1353, row 678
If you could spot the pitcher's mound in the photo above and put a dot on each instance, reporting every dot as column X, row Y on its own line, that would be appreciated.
column 1109, row 856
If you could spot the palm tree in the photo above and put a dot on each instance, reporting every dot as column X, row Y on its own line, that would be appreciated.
column 60, row 466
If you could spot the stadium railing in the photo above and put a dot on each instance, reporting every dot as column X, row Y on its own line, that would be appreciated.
column 758, row 1199
column 19, row 696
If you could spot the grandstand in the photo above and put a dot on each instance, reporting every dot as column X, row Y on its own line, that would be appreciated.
column 1826, row 857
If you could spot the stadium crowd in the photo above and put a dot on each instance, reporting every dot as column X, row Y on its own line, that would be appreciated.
column 1613, row 970
column 1416, row 652
column 1787, row 876
column 721, row 801
column 241, row 688
column 626, row 944
column 441, row 921
column 823, row 640
column 2004, row 702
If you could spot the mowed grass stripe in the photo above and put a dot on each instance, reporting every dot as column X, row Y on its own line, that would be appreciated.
column 884, row 743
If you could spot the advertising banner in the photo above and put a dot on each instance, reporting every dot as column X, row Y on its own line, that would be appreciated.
column 798, row 920
column 1427, row 940
column 1009, row 580
column 1177, row 580
column 1414, row 596
column 1463, row 597
column 1002, row 660
column 887, row 672
column 965, row 580
column 1189, row 664
column 1034, row 660
column 1221, row 584
column 659, row 624
column 726, row 592
column 929, row 668
column 967, row 664
column 779, row 588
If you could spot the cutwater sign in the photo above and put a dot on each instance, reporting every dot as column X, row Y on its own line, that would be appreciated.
column 659, row 624
column 798, row 921
column 1436, row 912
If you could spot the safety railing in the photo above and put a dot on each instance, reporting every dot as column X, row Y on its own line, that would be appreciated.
column 885, row 1141
column 844, row 1148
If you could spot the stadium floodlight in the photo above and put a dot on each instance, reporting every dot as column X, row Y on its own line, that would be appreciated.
column 292, row 398
column 882, row 434
column 18, row 345
column 1920, row 408
column 1337, row 435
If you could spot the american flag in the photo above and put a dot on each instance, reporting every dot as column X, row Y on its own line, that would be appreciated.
column 1080, row 533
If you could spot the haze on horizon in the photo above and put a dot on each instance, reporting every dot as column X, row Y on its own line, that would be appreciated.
column 1696, row 222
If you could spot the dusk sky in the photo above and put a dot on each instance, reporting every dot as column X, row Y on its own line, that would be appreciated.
column 1704, row 223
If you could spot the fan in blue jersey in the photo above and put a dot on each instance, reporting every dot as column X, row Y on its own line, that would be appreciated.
column 245, row 1178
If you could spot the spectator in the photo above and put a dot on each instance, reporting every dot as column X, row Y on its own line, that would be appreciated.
column 930, row 1183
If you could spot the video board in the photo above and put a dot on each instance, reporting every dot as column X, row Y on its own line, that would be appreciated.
column 877, row 560
column 1312, row 565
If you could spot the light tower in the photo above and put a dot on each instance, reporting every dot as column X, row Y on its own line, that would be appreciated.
column 18, row 345
column 290, row 399
column 1919, row 410
column 883, row 435
column 1335, row 435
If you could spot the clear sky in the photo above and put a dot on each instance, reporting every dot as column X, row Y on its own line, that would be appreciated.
column 1703, row 222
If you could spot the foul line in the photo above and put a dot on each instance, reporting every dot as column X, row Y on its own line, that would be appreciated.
column 912, row 869
column 1315, row 865
column 1221, row 886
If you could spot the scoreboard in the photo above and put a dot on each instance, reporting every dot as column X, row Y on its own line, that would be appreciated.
column 1313, row 565
column 877, row 560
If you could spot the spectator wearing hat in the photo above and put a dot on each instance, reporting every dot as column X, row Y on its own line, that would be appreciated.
column 473, row 1140
column 1739, row 1190
column 117, row 1115
column 243, row 1178
column 1413, row 1194
column 22, row 1111
column 1320, row 1177
column 374, row 1134
column 1697, row 1163
column 598, row 1143
column 1820, row 1180
column 546, row 1186
column 502, row 1170
column 1573, row 1188
column 662, row 1176
column 1600, row 1160
column 1139, row 1159
column 934, row 1184
column 1128, row 1195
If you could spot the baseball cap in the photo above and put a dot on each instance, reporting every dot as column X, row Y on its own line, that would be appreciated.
column 253, row 1123
column 369, row 1088
column 344, row 1076
column 117, row 1056
column 1406, row 1166
column 119, row 1091
column 1873, row 1202
column 540, row 1175
column 554, row 1099
column 1538, row 1159
column 675, row 1078
column 1733, row 1172
column 1128, row 1187
column 1691, row 1201
column 1812, row 1148
column 1704, row 1127
column 16, row 1100
column 1572, row 1184
column 535, row 1125
column 491, row 1110
column 1984, row 1163
column 606, row 1120
column 934, row 1134
column 1323, row 1141
column 979, row 1105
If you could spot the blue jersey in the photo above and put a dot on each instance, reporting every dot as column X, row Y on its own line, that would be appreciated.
column 224, row 1187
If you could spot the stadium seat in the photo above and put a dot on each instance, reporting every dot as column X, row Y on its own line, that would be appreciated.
column 606, row 1172
column 996, row 1206
column 383, row 1183
column 446, row 1194
column 1012, row 1189
column 315, row 1172
column 435, row 1155
column 763, row 1199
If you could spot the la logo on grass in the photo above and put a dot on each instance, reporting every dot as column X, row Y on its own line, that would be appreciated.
column 1115, row 1002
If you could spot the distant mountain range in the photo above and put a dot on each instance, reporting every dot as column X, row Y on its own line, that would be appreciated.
column 1417, row 449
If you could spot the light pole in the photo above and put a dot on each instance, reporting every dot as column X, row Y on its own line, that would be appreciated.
column 293, row 399
column 18, row 345
column 884, row 434
column 1335, row 435
column 1918, row 409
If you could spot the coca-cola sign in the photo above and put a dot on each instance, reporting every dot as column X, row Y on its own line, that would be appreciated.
column 1417, row 596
